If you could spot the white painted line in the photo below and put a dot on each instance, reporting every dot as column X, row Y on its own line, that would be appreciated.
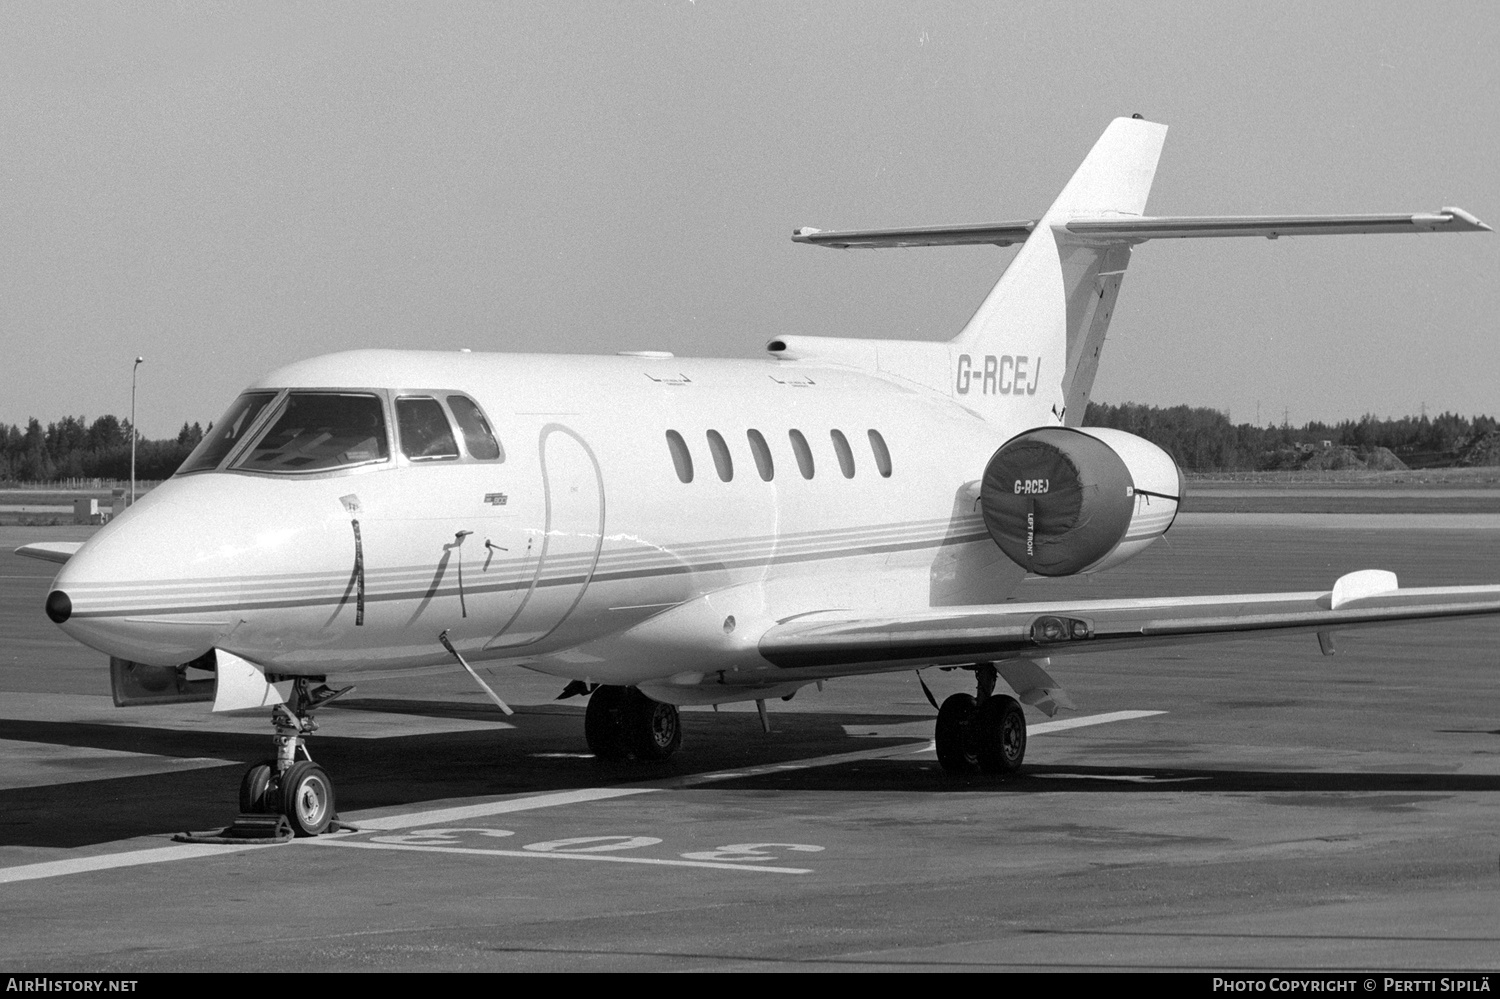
column 193, row 851
column 1063, row 724
column 1126, row 778
column 134, row 858
column 560, row 855
column 190, row 851
column 693, row 780
column 463, row 812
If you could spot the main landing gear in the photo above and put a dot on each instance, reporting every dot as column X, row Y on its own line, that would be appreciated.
column 292, row 784
column 622, row 722
column 983, row 732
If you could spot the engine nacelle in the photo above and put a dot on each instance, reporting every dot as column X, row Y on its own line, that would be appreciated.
column 1064, row 500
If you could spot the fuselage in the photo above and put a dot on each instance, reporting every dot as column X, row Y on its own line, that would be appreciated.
column 646, row 517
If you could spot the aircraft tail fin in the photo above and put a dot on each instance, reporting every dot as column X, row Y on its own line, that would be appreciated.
column 1029, row 354
column 1038, row 334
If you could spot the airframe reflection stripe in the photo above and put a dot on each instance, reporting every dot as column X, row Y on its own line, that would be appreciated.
column 373, row 597
column 700, row 549
column 609, row 561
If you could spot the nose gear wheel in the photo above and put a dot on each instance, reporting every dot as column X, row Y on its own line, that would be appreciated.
column 306, row 798
column 291, row 784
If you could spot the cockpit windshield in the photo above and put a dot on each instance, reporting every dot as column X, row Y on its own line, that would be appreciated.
column 317, row 431
column 228, row 433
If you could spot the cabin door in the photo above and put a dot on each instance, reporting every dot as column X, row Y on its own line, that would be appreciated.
column 570, row 542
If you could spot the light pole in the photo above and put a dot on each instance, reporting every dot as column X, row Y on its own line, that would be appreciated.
column 133, row 434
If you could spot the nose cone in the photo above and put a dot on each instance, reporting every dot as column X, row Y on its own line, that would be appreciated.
column 59, row 607
column 210, row 560
column 161, row 584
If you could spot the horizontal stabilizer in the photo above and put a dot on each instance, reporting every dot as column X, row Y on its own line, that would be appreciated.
column 1138, row 229
column 957, row 635
column 1271, row 226
column 974, row 234
column 50, row 551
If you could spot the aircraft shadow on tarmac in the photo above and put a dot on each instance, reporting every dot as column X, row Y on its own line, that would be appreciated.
column 545, row 752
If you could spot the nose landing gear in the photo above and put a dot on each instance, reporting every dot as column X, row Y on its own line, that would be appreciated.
column 291, row 784
column 982, row 732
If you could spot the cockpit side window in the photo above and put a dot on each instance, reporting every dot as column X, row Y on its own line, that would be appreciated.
column 317, row 431
column 478, row 438
column 424, row 430
column 228, row 433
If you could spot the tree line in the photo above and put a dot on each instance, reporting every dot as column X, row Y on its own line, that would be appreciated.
column 1198, row 438
column 1203, row 440
column 74, row 448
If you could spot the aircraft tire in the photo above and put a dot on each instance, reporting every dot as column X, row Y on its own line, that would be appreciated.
column 306, row 798
column 653, row 729
column 253, row 788
column 604, row 723
column 1001, row 729
column 956, row 750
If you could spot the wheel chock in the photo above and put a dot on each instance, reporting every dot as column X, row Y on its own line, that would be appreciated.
column 253, row 826
column 246, row 828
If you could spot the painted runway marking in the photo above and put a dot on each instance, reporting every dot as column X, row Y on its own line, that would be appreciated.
column 464, row 812
column 887, row 752
column 1127, row 778
column 1063, row 724
column 556, row 851
column 923, row 729
column 165, row 854
column 133, row 858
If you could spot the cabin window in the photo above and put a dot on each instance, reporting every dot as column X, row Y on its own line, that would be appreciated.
column 228, row 433
column 424, row 429
column 681, row 459
column 803, row 453
column 478, row 437
column 317, row 431
column 845, row 456
column 723, row 463
column 882, row 453
column 762, row 454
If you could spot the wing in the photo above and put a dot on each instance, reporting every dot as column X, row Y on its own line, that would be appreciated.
column 839, row 642
column 50, row 551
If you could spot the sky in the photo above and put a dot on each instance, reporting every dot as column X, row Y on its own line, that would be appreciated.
column 225, row 188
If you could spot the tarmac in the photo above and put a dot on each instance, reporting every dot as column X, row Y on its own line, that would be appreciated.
column 1241, row 805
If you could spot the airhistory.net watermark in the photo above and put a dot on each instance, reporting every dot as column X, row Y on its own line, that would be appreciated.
column 68, row 983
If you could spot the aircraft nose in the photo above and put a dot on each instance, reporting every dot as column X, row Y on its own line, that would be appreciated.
column 157, row 585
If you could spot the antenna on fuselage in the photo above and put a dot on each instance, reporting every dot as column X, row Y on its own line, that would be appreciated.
column 461, row 661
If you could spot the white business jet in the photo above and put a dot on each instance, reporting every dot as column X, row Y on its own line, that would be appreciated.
column 662, row 531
